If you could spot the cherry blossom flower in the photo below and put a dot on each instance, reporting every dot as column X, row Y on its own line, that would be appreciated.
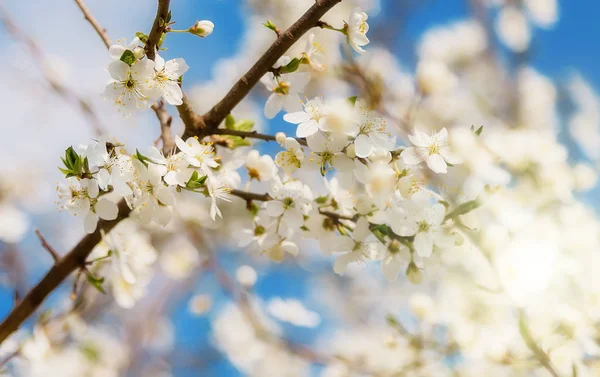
column 291, row 159
column 200, row 155
column 313, row 53
column 284, row 90
column 174, row 168
column 309, row 120
column 153, row 199
column 357, row 30
column 329, row 152
column 116, row 51
column 165, row 79
column 415, row 218
column 131, row 86
column 261, row 168
column 362, row 245
column 434, row 150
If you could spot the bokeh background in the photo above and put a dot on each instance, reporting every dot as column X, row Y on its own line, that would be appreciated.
column 37, row 125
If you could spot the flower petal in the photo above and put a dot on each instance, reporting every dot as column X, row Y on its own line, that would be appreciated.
column 414, row 156
column 436, row 163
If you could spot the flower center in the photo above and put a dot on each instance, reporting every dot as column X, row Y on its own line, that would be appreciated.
column 283, row 88
column 288, row 202
column 259, row 230
column 423, row 226
column 433, row 148
column 129, row 84
column 253, row 174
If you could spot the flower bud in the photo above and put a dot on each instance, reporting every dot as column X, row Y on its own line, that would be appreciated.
column 280, row 138
column 139, row 52
column 202, row 28
column 414, row 274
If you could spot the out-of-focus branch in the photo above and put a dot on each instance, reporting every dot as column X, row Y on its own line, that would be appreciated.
column 39, row 60
column 102, row 33
column 57, row 274
column 47, row 246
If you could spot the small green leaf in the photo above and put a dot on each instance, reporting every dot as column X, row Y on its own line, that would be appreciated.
column 169, row 17
column 253, row 208
column 322, row 199
column 244, row 125
column 352, row 100
column 463, row 208
column 196, row 181
column 478, row 131
column 96, row 282
column 128, row 57
column 229, row 122
column 270, row 25
column 143, row 159
column 291, row 66
column 143, row 37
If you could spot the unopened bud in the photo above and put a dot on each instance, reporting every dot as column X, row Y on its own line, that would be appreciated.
column 280, row 138
column 139, row 52
column 414, row 274
column 202, row 28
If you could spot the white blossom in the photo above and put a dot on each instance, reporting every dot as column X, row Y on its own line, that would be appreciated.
column 357, row 30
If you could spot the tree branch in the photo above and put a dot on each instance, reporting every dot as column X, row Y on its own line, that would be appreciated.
column 57, row 274
column 248, row 134
column 168, row 143
column 77, row 256
column 158, row 28
column 92, row 20
column 215, row 116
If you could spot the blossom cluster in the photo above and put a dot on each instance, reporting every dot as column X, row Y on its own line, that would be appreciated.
column 101, row 174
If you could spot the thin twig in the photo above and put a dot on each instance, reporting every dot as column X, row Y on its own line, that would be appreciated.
column 166, row 135
column 57, row 274
column 47, row 246
column 249, row 134
column 102, row 33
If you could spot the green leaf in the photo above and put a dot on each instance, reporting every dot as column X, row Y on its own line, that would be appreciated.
column 352, row 100
column 128, row 57
column 196, row 181
column 229, row 122
column 465, row 207
column 143, row 37
column 270, row 25
column 169, row 17
column 322, row 199
column 244, row 125
column 291, row 66
column 143, row 159
column 96, row 282
column 478, row 131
